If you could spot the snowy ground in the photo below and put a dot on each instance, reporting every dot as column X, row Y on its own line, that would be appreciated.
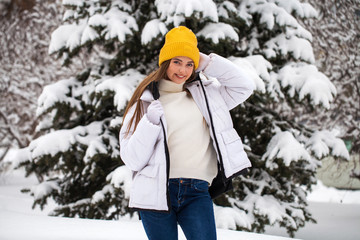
column 19, row 222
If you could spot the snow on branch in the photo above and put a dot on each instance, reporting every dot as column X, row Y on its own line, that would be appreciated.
column 303, row 10
column 174, row 11
column 62, row 140
column 121, row 176
column 306, row 80
column 231, row 218
column 153, row 29
column 77, row 3
column 225, row 8
column 66, row 36
column 321, row 142
column 122, row 85
column 218, row 31
column 284, row 146
column 271, row 208
column 280, row 11
column 112, row 23
column 43, row 189
column 118, row 24
column 272, row 14
column 298, row 48
column 60, row 91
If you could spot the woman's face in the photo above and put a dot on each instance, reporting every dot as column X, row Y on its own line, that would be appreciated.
column 180, row 69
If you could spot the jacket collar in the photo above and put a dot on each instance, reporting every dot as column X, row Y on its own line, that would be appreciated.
column 147, row 96
column 201, row 77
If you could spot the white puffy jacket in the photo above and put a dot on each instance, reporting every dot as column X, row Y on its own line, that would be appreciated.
column 143, row 150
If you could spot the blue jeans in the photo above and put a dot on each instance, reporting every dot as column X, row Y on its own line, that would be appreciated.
column 191, row 207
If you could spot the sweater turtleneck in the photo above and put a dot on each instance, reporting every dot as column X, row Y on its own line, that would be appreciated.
column 191, row 152
column 170, row 86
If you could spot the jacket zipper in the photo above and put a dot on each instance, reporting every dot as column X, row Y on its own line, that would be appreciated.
column 221, row 168
column 167, row 155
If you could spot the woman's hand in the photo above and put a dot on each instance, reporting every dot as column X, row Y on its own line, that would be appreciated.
column 204, row 61
column 154, row 112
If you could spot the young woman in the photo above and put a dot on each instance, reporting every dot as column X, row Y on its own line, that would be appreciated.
column 178, row 138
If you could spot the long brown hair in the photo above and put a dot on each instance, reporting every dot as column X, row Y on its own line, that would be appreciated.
column 155, row 76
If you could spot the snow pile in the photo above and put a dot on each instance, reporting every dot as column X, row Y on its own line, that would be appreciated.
column 20, row 222
column 322, row 193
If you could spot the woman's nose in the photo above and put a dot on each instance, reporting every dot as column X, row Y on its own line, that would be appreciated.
column 181, row 69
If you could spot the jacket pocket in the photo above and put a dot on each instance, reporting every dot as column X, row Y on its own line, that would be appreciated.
column 145, row 186
column 234, row 147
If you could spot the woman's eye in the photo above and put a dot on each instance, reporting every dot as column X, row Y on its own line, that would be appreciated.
column 190, row 65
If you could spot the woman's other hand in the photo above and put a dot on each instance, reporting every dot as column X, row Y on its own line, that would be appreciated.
column 154, row 112
column 204, row 61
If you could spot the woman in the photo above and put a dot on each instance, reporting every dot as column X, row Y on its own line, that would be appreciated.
column 178, row 138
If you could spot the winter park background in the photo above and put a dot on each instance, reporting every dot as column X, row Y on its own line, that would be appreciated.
column 68, row 67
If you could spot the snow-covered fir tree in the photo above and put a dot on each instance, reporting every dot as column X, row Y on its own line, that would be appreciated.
column 78, row 153
column 25, row 67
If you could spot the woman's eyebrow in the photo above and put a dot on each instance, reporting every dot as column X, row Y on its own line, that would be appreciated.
column 178, row 59
column 181, row 60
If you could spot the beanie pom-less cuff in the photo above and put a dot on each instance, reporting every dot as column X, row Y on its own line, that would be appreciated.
column 178, row 49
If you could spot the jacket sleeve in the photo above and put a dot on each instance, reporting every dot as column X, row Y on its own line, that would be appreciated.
column 137, row 146
column 236, row 85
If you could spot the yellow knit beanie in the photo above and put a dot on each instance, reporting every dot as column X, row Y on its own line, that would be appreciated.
column 180, row 41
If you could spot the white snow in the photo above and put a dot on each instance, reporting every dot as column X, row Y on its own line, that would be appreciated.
column 218, row 31
column 65, row 36
column 283, row 145
column 43, row 189
column 174, row 11
column 323, row 141
column 119, row 24
column 282, row 44
column 306, row 80
column 115, row 22
column 18, row 221
column 230, row 218
column 153, row 29
column 78, row 3
column 303, row 10
column 123, row 85
column 121, row 176
column 62, row 140
column 57, row 92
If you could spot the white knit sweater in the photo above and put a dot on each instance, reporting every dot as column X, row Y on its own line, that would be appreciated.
column 191, row 151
